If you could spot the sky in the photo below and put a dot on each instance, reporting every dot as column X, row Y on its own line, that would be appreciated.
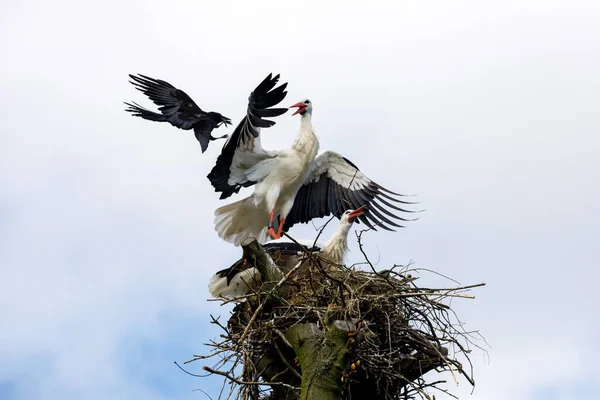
column 486, row 111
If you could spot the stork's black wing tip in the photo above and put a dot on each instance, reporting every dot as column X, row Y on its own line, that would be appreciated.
column 273, row 79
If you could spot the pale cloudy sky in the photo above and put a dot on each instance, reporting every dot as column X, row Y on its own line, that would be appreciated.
column 488, row 111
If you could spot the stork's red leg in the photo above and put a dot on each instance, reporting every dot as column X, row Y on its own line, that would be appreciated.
column 278, row 234
column 272, row 216
column 271, row 226
column 280, row 227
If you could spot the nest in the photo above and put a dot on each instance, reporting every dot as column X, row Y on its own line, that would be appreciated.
column 396, row 332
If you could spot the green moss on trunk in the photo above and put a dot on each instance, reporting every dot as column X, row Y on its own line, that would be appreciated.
column 323, row 357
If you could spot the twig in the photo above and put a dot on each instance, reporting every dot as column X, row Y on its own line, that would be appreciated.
column 206, row 394
column 231, row 378
column 187, row 372
column 259, row 308
column 286, row 361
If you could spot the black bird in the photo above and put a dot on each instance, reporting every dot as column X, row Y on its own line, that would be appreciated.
column 177, row 108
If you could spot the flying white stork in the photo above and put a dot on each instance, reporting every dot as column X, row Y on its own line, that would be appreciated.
column 177, row 108
column 239, row 280
column 294, row 185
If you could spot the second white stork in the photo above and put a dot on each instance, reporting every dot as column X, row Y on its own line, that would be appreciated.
column 239, row 279
column 292, row 186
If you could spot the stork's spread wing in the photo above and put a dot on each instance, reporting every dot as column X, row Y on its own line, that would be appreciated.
column 335, row 185
column 243, row 150
column 174, row 105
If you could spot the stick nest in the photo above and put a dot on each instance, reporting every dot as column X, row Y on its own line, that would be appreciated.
column 397, row 332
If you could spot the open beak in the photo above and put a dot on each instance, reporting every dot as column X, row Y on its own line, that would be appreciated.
column 356, row 213
column 301, row 107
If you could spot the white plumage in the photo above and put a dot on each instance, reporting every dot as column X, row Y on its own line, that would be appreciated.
column 293, row 186
column 241, row 284
column 278, row 176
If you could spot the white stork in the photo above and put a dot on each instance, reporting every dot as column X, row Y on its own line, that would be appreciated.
column 239, row 280
column 292, row 184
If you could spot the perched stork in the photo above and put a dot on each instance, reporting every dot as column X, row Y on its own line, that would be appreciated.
column 177, row 108
column 294, row 185
column 239, row 280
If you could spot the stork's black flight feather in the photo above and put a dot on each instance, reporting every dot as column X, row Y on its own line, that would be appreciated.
column 334, row 184
column 245, row 136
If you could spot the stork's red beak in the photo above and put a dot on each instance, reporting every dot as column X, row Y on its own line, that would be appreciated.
column 301, row 107
column 356, row 213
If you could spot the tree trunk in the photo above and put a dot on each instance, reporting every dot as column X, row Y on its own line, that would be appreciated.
column 323, row 357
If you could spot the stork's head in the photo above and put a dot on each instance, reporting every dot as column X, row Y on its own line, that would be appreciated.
column 337, row 245
column 304, row 107
column 349, row 216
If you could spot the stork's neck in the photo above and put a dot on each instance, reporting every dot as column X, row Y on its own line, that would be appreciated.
column 306, row 143
column 337, row 245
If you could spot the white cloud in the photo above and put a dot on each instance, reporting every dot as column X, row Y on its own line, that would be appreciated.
column 486, row 111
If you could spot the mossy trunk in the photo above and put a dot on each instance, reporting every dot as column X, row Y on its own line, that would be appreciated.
column 323, row 355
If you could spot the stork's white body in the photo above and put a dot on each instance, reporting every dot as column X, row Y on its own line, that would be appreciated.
column 334, row 250
column 285, row 173
column 279, row 176
column 240, row 285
